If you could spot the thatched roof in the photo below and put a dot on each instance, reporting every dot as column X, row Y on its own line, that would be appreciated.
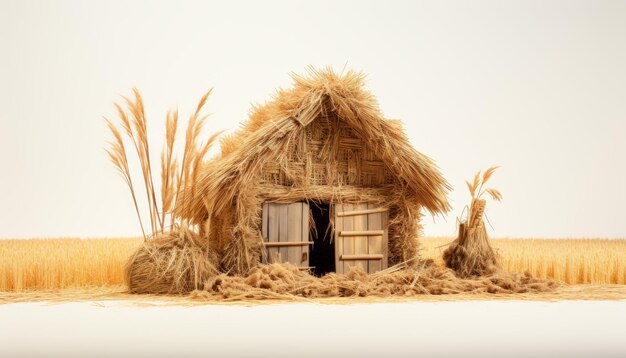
column 291, row 110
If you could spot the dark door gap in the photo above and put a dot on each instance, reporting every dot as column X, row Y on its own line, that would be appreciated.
column 322, row 254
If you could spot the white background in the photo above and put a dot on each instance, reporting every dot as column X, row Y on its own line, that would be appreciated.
column 537, row 87
column 419, row 329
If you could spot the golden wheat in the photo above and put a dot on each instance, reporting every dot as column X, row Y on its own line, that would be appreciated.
column 44, row 264
column 39, row 264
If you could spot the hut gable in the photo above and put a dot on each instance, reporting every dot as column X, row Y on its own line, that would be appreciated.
column 325, row 131
column 327, row 152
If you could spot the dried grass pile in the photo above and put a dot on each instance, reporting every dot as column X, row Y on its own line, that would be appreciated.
column 471, row 254
column 173, row 262
column 285, row 281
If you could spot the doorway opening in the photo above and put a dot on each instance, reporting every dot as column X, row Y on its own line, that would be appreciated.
column 322, row 254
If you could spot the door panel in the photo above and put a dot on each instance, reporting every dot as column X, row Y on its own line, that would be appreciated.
column 285, row 230
column 294, row 233
column 360, row 237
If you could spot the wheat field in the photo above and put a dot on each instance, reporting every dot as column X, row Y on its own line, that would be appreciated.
column 43, row 264
column 47, row 264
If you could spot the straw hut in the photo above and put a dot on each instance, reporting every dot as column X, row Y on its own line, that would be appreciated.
column 319, row 178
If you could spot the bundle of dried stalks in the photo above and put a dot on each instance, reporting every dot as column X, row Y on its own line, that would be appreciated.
column 174, row 258
column 471, row 253
column 284, row 281
column 172, row 262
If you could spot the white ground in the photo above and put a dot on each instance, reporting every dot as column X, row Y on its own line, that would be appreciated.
column 429, row 329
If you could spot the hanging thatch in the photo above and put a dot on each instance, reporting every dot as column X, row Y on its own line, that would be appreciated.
column 325, row 139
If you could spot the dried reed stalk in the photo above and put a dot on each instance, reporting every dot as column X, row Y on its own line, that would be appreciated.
column 169, row 167
column 117, row 155
column 140, row 131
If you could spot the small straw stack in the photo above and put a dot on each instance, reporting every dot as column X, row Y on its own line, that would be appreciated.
column 471, row 254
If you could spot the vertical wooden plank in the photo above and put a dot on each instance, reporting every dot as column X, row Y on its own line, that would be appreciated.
column 375, row 243
column 338, row 226
column 304, row 255
column 385, row 228
column 272, row 230
column 283, row 230
column 360, row 242
column 294, row 232
column 264, row 230
column 348, row 241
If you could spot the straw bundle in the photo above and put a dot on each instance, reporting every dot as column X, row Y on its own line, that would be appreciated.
column 173, row 262
column 471, row 253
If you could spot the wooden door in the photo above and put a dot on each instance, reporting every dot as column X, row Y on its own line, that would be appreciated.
column 285, row 232
column 360, row 237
